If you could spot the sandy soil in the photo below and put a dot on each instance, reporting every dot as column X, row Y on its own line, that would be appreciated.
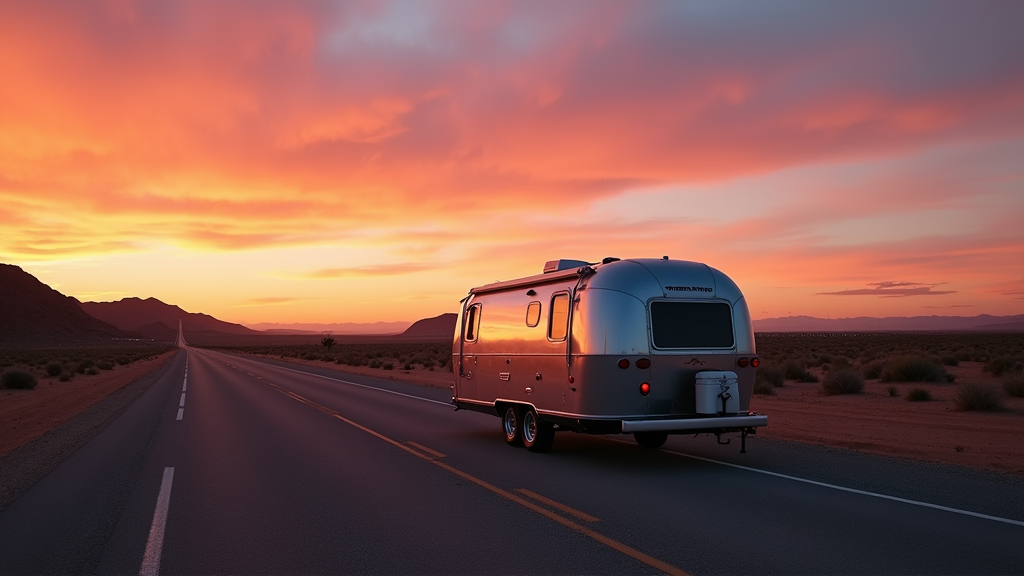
column 872, row 421
column 27, row 414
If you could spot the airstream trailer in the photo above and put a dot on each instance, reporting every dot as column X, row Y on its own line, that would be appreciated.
column 650, row 347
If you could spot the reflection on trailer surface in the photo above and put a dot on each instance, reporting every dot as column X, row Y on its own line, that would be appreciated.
column 644, row 346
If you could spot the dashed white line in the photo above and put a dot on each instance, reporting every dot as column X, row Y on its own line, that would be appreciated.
column 155, row 543
column 182, row 404
column 181, row 413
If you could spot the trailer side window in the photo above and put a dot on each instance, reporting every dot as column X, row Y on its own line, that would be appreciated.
column 472, row 323
column 558, row 318
column 533, row 314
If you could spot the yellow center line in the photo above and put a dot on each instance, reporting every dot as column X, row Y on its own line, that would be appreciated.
column 633, row 553
column 558, row 505
column 424, row 448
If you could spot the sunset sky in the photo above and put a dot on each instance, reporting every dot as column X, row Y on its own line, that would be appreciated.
column 370, row 161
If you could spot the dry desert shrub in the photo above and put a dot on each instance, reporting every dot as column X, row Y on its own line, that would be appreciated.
column 1014, row 385
column 919, row 395
column 913, row 369
column 845, row 381
column 1002, row 365
column 872, row 370
column 762, row 387
column 793, row 370
column 18, row 379
column 54, row 369
column 975, row 396
column 770, row 376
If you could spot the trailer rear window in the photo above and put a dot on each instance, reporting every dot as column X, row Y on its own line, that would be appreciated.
column 691, row 324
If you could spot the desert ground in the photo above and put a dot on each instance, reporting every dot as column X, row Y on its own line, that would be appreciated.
column 873, row 421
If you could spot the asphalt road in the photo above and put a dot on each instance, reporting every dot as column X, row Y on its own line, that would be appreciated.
column 236, row 465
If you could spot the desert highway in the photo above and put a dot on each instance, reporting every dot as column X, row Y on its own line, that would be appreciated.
column 238, row 465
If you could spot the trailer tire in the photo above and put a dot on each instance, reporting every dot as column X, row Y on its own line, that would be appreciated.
column 511, row 425
column 650, row 439
column 538, row 436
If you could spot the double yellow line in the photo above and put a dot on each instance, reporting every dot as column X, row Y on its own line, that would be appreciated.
column 434, row 457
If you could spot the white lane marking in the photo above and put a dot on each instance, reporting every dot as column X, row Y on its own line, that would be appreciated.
column 155, row 543
column 350, row 384
column 182, row 400
column 851, row 490
column 184, row 384
column 448, row 404
column 181, row 412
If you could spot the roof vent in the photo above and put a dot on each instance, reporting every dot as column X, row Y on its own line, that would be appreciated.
column 557, row 265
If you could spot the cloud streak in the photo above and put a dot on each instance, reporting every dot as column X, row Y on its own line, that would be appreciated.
column 892, row 290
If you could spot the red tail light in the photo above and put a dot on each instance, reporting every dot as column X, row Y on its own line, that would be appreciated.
column 645, row 388
column 755, row 362
column 743, row 362
column 624, row 363
column 643, row 363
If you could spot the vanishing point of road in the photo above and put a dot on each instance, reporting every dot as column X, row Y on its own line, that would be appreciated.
column 231, row 464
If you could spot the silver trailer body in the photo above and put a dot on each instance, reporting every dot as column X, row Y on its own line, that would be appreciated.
column 643, row 346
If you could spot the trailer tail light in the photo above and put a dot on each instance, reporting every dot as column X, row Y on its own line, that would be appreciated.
column 755, row 362
column 643, row 363
column 645, row 389
column 571, row 379
column 743, row 362
column 624, row 363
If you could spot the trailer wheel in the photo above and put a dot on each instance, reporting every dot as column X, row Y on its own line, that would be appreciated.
column 511, row 425
column 538, row 436
column 650, row 439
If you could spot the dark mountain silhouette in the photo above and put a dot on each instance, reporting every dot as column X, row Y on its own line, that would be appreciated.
column 33, row 314
column 436, row 327
column 155, row 319
column 983, row 322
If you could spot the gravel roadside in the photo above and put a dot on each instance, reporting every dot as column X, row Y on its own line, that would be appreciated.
column 21, row 468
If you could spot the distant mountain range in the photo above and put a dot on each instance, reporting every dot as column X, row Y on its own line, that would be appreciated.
column 983, row 322
column 154, row 319
column 33, row 314
column 438, row 326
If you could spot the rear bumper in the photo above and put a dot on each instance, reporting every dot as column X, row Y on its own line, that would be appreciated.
column 695, row 424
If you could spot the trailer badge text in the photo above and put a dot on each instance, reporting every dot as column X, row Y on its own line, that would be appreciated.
column 689, row 288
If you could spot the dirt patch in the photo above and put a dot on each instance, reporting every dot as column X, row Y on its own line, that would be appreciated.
column 28, row 414
column 875, row 421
